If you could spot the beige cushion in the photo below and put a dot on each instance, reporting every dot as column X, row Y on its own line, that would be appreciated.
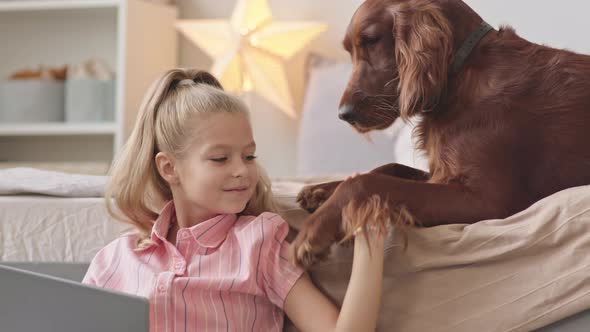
column 514, row 274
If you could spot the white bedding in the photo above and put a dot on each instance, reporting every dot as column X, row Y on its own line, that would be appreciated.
column 54, row 229
column 23, row 180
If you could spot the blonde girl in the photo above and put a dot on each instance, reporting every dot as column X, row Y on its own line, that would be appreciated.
column 210, row 252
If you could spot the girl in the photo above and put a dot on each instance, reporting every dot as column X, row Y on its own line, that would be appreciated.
column 215, row 258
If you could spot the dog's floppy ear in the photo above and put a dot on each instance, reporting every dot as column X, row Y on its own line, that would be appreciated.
column 423, row 46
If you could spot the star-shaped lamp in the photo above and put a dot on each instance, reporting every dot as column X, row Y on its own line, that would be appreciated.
column 250, row 50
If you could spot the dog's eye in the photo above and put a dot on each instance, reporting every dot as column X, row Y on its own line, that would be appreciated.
column 370, row 40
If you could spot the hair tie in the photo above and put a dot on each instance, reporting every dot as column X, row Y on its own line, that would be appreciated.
column 186, row 81
column 206, row 78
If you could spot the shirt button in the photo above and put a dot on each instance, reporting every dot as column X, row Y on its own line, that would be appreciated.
column 179, row 266
column 185, row 235
column 161, row 288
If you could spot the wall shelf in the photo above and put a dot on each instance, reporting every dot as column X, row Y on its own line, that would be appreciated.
column 136, row 38
column 58, row 129
column 34, row 5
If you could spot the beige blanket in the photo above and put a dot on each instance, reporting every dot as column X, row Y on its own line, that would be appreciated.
column 515, row 274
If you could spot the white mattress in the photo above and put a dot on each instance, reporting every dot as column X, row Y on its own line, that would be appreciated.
column 54, row 229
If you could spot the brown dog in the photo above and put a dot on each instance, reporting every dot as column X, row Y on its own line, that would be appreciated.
column 503, row 121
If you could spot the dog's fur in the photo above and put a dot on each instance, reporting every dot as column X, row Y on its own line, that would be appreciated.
column 510, row 127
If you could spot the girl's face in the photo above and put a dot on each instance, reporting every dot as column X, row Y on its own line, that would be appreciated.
column 218, row 174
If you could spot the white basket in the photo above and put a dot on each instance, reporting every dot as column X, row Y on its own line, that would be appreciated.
column 31, row 101
column 89, row 100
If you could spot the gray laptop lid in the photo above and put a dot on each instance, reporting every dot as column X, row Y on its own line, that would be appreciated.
column 35, row 302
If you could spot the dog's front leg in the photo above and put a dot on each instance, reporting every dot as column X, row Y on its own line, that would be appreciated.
column 311, row 197
column 427, row 204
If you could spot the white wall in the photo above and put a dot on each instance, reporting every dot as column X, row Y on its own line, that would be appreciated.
column 563, row 24
column 274, row 132
column 542, row 21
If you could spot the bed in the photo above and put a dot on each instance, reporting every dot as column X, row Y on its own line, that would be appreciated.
column 522, row 273
column 532, row 269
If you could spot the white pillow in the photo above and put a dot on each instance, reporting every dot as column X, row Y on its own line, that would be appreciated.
column 403, row 145
column 23, row 180
column 328, row 145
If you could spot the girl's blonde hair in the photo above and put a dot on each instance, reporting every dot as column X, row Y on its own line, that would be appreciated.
column 164, row 123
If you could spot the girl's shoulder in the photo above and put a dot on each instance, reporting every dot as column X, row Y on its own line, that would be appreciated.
column 127, row 239
column 264, row 225
column 126, row 242
column 265, row 217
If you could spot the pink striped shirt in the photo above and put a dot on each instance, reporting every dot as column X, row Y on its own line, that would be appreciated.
column 224, row 274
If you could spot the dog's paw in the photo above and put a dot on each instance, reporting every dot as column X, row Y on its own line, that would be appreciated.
column 309, row 249
column 310, row 198
column 321, row 230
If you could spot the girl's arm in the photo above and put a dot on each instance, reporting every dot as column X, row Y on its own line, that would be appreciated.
column 310, row 310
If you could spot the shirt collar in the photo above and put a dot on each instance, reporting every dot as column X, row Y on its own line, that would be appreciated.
column 162, row 224
column 209, row 233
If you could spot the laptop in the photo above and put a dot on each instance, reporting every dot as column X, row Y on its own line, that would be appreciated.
column 36, row 302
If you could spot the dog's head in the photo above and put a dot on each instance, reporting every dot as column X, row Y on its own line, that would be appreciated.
column 401, row 51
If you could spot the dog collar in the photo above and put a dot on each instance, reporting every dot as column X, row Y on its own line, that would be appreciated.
column 468, row 46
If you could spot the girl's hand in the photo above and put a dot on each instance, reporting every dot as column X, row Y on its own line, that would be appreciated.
column 307, row 307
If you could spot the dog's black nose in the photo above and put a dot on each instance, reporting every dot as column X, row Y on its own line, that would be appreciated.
column 346, row 113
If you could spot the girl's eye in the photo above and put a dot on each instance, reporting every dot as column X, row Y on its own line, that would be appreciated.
column 250, row 158
column 219, row 160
